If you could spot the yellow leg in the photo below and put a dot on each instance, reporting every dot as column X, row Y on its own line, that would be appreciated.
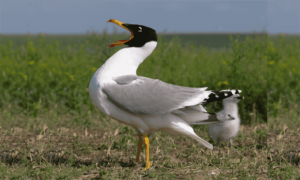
column 139, row 149
column 148, row 164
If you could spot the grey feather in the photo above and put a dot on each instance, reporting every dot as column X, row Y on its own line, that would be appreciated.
column 212, row 119
column 125, row 79
column 145, row 96
column 194, row 115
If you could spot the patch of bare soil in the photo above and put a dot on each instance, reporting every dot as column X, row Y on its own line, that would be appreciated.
column 12, row 145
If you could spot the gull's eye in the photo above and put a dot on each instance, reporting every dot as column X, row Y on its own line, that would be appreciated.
column 140, row 29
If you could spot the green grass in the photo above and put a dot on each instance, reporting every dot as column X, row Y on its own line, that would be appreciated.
column 213, row 40
column 49, row 128
column 284, row 143
column 289, row 39
column 283, row 74
column 283, row 107
column 48, row 75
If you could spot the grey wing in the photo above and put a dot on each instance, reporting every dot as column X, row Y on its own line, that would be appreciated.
column 145, row 96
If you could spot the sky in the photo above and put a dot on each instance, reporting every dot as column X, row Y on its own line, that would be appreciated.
column 165, row 16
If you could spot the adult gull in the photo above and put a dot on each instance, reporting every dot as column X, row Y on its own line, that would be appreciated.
column 148, row 105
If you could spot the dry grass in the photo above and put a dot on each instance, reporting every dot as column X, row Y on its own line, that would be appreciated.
column 46, row 150
column 284, row 144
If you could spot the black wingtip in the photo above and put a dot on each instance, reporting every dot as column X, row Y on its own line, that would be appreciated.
column 220, row 95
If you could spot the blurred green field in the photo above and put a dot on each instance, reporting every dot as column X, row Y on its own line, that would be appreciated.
column 46, row 111
column 52, row 73
column 213, row 40
column 283, row 74
column 283, row 107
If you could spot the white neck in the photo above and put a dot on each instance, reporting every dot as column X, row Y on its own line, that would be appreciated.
column 230, row 108
column 126, row 61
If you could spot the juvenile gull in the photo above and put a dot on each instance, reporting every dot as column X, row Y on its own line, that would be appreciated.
column 148, row 105
column 227, row 130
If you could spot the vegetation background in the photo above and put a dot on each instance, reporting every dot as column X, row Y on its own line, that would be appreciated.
column 45, row 73
column 48, row 122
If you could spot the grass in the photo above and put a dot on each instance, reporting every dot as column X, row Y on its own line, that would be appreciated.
column 283, row 74
column 283, row 108
column 50, row 129
column 284, row 144
column 214, row 40
column 48, row 75
column 54, row 147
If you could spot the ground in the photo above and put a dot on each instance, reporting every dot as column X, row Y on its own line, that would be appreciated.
column 109, row 152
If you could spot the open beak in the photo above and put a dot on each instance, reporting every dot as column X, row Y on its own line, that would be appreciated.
column 241, row 97
column 123, row 25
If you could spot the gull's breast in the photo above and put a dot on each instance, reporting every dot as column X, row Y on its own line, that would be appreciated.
column 96, row 94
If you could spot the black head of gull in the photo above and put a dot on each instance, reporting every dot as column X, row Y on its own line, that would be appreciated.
column 140, row 34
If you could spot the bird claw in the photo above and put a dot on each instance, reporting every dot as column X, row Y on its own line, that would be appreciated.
column 148, row 164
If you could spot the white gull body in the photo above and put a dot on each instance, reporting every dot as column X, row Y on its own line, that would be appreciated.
column 228, row 129
column 146, row 104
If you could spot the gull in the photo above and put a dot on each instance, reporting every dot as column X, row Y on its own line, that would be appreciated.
column 228, row 129
column 148, row 105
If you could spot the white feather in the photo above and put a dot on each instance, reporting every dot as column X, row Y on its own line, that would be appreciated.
column 229, row 129
column 126, row 62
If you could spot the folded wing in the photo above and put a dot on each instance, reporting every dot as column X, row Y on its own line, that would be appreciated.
column 145, row 96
